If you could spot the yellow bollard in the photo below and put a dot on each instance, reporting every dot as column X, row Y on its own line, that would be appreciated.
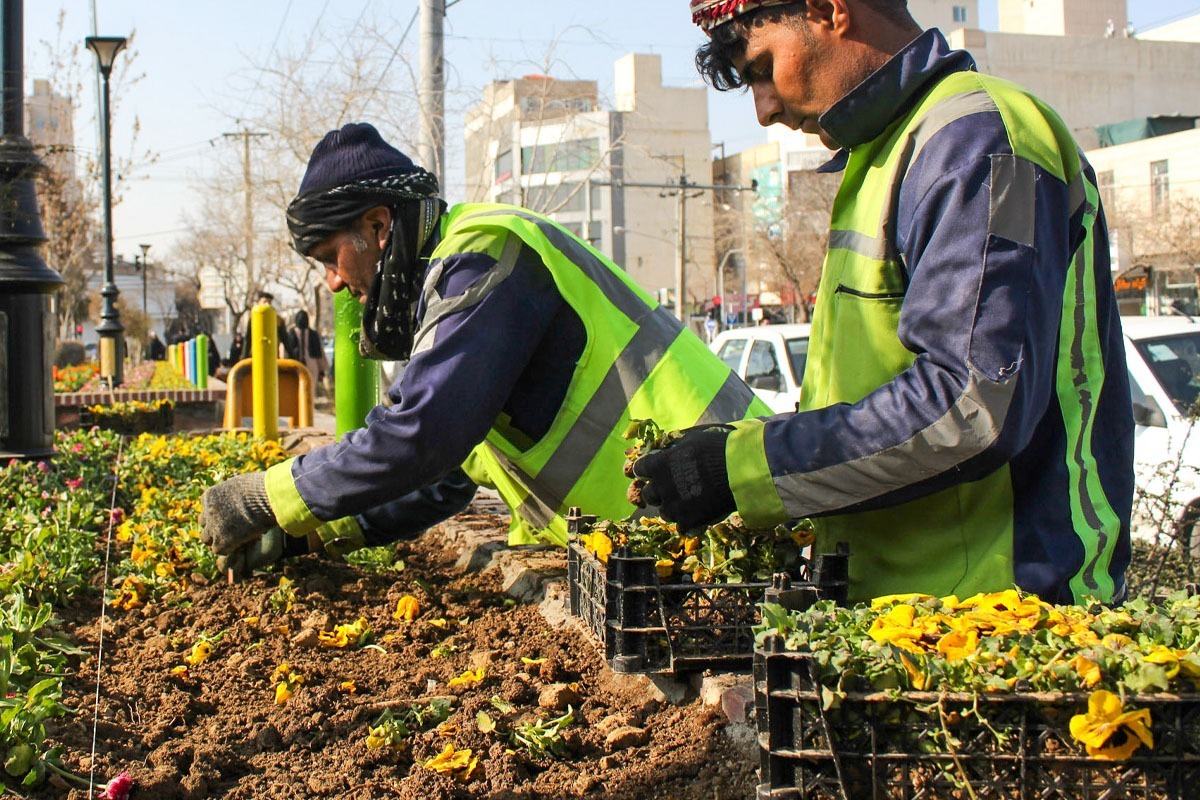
column 264, row 352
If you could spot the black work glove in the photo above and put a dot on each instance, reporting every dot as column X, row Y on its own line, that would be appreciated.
column 687, row 480
column 235, row 513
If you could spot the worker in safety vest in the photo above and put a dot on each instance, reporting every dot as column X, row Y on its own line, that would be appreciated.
column 528, row 354
column 965, row 420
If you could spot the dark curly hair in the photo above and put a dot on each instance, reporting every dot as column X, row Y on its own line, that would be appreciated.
column 727, row 43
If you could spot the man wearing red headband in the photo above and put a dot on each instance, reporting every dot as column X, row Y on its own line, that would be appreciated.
column 965, row 421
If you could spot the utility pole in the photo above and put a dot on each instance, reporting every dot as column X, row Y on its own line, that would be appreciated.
column 431, row 95
column 685, row 188
column 246, row 136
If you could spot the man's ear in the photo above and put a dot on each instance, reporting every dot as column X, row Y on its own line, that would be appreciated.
column 826, row 13
column 378, row 222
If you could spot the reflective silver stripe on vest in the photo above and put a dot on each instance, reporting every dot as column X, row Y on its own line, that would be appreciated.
column 951, row 109
column 1014, row 188
column 615, row 290
column 859, row 243
column 968, row 428
column 532, row 509
column 606, row 407
column 437, row 309
column 944, row 112
column 731, row 402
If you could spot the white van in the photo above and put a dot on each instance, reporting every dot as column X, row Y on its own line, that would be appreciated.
column 769, row 358
column 1164, row 378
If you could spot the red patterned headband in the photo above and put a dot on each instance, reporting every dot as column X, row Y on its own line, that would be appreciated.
column 708, row 14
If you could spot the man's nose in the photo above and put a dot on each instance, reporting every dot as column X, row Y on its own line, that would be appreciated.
column 333, row 280
column 766, row 103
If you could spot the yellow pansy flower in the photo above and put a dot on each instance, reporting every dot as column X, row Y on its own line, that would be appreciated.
column 1109, row 732
column 598, row 543
column 1088, row 670
column 200, row 652
column 468, row 678
column 457, row 763
column 407, row 608
column 957, row 645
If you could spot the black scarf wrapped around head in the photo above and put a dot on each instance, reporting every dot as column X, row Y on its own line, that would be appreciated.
column 389, row 319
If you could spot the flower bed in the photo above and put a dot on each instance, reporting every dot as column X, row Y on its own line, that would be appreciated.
column 995, row 696
column 55, row 516
column 130, row 417
column 416, row 679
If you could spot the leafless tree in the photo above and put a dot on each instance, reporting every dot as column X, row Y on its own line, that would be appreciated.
column 335, row 77
column 69, row 185
column 796, row 247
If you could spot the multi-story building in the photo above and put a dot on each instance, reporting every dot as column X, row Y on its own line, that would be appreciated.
column 610, row 176
column 1150, row 188
column 50, row 126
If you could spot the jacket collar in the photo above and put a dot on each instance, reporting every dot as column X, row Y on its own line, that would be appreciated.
column 869, row 108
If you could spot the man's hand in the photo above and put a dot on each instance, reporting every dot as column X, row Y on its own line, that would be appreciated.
column 259, row 553
column 235, row 513
column 688, row 480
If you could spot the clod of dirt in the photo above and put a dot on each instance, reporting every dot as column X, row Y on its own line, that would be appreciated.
column 558, row 696
column 625, row 737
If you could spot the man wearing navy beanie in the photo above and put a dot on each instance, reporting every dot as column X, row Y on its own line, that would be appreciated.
column 528, row 355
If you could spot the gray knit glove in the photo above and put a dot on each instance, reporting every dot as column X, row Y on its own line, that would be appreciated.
column 235, row 513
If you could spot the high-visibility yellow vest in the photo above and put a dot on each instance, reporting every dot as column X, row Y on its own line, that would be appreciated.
column 638, row 363
column 959, row 540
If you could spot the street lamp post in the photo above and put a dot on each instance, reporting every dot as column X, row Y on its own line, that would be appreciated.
column 145, row 271
column 112, row 355
column 27, row 285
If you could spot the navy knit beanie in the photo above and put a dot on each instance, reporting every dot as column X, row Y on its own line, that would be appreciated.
column 354, row 152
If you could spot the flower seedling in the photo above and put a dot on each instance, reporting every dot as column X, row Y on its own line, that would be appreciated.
column 442, row 650
column 543, row 738
column 393, row 730
column 202, row 649
column 284, row 596
column 407, row 608
column 287, row 681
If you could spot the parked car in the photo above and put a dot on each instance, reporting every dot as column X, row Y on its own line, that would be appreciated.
column 1164, row 378
column 769, row 358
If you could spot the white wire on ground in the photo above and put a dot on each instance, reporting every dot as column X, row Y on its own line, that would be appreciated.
column 103, row 611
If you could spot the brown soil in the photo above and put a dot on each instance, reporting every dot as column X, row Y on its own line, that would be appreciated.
column 219, row 733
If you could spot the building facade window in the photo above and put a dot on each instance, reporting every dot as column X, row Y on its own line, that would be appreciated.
column 1160, row 188
column 560, row 156
column 960, row 13
column 504, row 165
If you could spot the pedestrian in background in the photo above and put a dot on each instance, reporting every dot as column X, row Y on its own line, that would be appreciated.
column 306, row 344
column 155, row 349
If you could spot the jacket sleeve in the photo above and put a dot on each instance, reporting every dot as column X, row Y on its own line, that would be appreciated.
column 986, row 240
column 443, row 404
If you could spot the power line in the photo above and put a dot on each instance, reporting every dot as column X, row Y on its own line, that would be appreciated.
column 270, row 54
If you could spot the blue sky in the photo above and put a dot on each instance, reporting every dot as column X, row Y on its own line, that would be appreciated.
column 196, row 55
